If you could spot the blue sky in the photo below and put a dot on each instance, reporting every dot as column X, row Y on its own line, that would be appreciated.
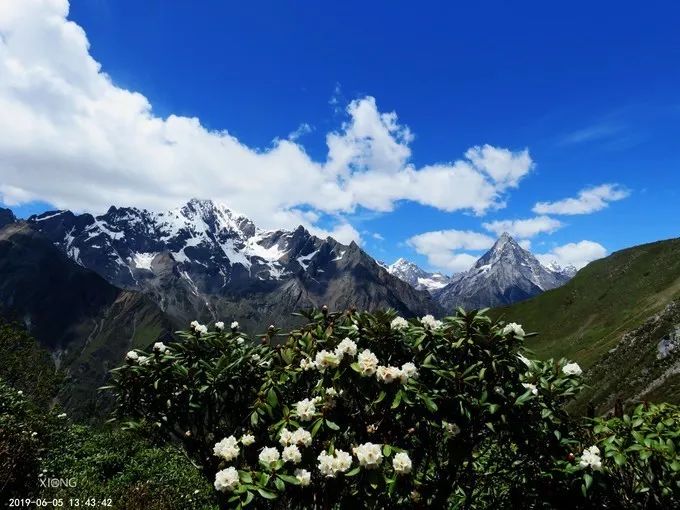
column 591, row 90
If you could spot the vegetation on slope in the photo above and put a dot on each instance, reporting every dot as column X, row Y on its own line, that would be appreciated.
column 587, row 317
column 372, row 408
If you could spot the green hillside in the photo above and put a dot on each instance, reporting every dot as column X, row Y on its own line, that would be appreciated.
column 587, row 318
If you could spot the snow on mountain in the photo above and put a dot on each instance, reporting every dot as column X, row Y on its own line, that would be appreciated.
column 204, row 259
column 417, row 277
column 507, row 273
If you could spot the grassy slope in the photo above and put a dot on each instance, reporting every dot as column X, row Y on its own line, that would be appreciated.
column 586, row 317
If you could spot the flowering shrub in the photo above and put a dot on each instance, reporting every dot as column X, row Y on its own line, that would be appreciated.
column 372, row 408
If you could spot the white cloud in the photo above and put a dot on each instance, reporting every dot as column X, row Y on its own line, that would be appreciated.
column 442, row 247
column 525, row 243
column 588, row 200
column 574, row 254
column 378, row 236
column 524, row 228
column 71, row 137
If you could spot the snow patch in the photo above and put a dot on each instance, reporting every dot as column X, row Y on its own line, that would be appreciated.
column 143, row 260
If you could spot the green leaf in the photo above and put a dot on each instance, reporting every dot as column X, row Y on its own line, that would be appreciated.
column 249, row 498
column 289, row 479
column 380, row 398
column 353, row 472
column 266, row 494
column 316, row 426
column 272, row 398
column 279, row 484
column 332, row 425
column 588, row 479
column 387, row 450
column 397, row 399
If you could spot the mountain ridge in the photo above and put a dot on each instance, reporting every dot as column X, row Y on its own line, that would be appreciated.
column 204, row 261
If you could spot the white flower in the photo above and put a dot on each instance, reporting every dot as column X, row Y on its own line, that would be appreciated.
column 219, row 326
column 227, row 449
column 325, row 359
column 591, row 458
column 160, row 347
column 342, row 461
column 368, row 362
column 430, row 322
column 269, row 456
column 194, row 324
column 301, row 437
column 227, row 479
column 305, row 409
column 326, row 464
column 399, row 323
column 201, row 329
column 408, row 370
column 292, row 454
column 247, row 439
column 303, row 476
column 388, row 374
column 307, row 364
column 331, row 392
column 331, row 465
column 285, row 437
column 239, row 340
column 525, row 360
column 451, row 428
column 402, row 463
column 572, row 369
column 234, row 325
column 132, row 356
column 369, row 455
column 143, row 360
column 513, row 328
column 62, row 415
column 20, row 392
column 347, row 346
column 531, row 387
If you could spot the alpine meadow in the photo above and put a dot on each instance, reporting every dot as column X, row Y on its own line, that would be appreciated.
column 296, row 255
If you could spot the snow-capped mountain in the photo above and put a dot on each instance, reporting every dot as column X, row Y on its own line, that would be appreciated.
column 416, row 276
column 507, row 273
column 202, row 259
column 567, row 271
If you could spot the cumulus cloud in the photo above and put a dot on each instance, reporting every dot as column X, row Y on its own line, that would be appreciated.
column 588, row 200
column 574, row 254
column 524, row 228
column 442, row 248
column 71, row 137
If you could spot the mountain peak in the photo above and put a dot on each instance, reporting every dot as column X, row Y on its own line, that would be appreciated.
column 418, row 278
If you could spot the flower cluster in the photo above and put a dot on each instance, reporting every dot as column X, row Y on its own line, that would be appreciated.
column 303, row 476
column 369, row 455
column 160, row 347
column 591, row 458
column 300, row 437
column 219, row 326
column 402, row 463
column 227, row 449
column 430, row 322
column 572, row 369
column 247, row 439
column 227, row 479
column 306, row 408
column 291, row 453
column 368, row 362
column 198, row 328
column 330, row 359
column 399, row 324
column 269, row 456
column 513, row 328
column 330, row 465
